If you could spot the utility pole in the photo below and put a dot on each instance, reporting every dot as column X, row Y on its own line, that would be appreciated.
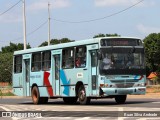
column 24, row 24
column 49, row 30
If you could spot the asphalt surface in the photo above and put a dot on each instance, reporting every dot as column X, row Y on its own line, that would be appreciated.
column 100, row 109
column 145, row 102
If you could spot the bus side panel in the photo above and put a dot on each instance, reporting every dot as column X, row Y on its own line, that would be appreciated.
column 17, row 80
column 18, row 91
column 69, row 78
column 37, row 78
column 43, row 91
column 43, row 80
column 18, row 84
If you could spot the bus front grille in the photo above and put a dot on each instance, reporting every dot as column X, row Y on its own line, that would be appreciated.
column 124, row 85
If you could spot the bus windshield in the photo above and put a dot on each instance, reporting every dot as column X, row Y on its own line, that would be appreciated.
column 116, row 60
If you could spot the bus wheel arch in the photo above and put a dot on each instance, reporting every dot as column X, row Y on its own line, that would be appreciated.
column 81, row 94
column 78, row 84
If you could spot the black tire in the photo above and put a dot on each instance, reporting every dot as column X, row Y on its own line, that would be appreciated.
column 83, row 99
column 120, row 99
column 70, row 100
column 35, row 95
column 44, row 100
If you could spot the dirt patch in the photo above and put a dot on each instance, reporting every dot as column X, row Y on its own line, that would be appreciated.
column 5, row 90
column 153, row 89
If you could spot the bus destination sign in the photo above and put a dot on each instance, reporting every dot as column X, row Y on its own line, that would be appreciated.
column 120, row 42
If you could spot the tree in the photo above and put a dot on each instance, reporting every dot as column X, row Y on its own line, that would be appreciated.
column 99, row 35
column 13, row 47
column 106, row 35
column 152, row 52
column 6, row 61
column 6, row 66
column 56, row 41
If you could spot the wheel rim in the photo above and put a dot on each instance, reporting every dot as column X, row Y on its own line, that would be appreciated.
column 82, row 95
column 34, row 96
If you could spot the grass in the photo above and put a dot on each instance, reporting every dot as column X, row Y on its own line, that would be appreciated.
column 6, row 94
column 6, row 91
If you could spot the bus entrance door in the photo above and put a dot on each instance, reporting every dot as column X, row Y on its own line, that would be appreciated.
column 26, row 86
column 56, row 71
column 93, row 69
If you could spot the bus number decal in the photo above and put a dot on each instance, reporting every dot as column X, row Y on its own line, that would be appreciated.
column 79, row 75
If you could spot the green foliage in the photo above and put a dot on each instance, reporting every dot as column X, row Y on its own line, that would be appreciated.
column 6, row 66
column 99, row 35
column 152, row 52
column 13, row 47
column 106, row 35
column 56, row 41
column 6, row 94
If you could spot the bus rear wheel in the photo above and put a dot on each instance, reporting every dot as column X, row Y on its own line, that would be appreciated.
column 83, row 99
column 36, row 96
column 70, row 100
column 120, row 99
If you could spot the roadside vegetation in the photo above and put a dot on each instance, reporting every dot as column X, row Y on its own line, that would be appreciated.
column 153, row 89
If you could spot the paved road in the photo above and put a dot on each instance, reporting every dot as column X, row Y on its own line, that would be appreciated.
column 94, row 109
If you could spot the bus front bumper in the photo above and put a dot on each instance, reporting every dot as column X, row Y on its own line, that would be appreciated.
column 123, row 91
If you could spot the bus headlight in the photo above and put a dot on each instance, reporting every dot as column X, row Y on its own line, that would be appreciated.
column 143, row 84
column 140, row 85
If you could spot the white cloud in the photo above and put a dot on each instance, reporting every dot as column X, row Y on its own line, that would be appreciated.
column 103, row 3
column 147, row 29
column 43, row 4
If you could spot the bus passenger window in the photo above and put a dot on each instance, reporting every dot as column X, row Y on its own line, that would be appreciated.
column 68, row 58
column 46, row 61
column 36, row 62
column 18, row 64
column 80, row 56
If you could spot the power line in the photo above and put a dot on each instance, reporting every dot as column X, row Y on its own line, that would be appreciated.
column 10, row 8
column 92, row 20
column 30, row 33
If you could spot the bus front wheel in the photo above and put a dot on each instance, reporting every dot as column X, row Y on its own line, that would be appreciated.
column 83, row 99
column 120, row 99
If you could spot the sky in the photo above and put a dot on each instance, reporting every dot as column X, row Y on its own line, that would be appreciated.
column 138, row 21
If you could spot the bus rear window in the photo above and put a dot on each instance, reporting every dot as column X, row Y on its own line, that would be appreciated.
column 18, row 64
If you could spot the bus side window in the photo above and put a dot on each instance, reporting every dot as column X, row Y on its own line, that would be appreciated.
column 36, row 61
column 46, row 60
column 80, row 60
column 68, row 58
column 18, row 64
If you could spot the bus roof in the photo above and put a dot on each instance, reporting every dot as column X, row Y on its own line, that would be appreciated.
column 65, row 45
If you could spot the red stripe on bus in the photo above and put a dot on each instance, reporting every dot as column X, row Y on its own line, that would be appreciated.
column 47, row 83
